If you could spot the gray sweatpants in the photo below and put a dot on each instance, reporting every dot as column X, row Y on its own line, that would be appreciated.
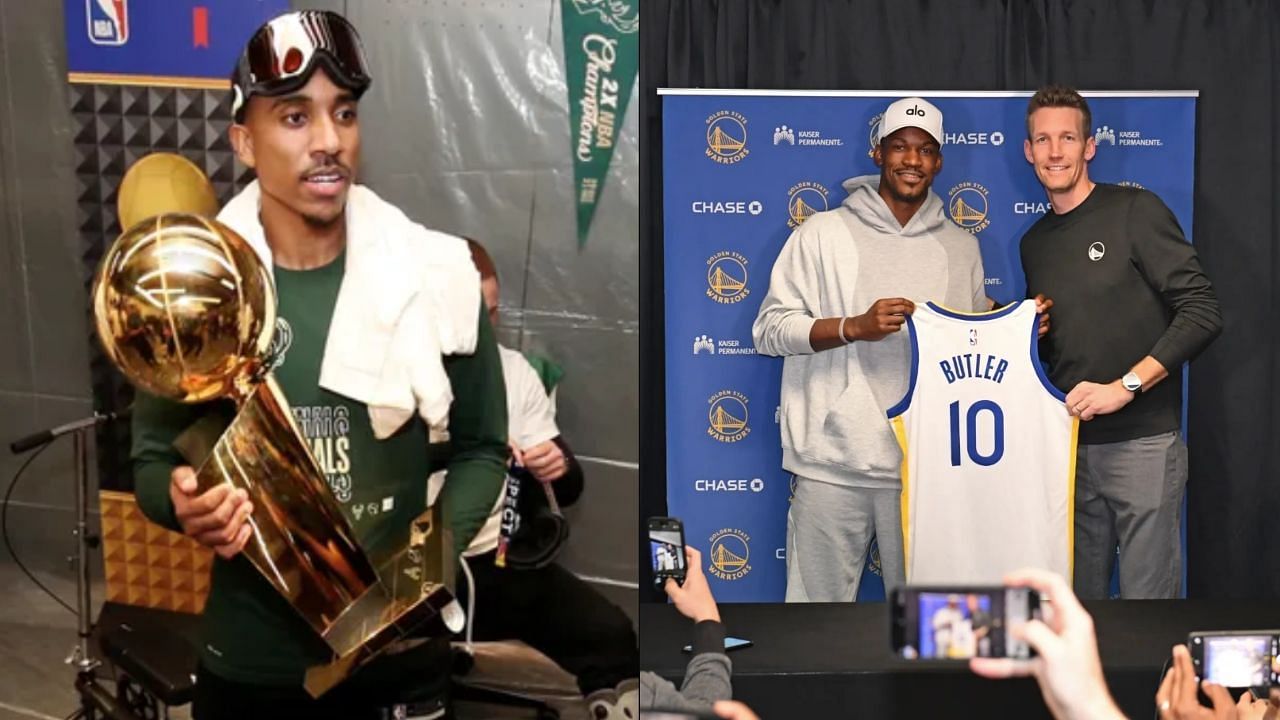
column 1130, row 493
column 829, row 528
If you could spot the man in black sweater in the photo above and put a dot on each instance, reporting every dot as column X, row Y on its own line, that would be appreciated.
column 1131, row 306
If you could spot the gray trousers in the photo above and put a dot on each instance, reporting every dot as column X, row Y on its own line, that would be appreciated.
column 1130, row 493
column 829, row 529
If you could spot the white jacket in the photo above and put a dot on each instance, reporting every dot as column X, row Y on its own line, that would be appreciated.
column 837, row 264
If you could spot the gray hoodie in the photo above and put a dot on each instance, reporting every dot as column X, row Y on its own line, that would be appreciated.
column 837, row 264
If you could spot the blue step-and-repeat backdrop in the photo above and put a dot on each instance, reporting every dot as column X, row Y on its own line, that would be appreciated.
column 741, row 170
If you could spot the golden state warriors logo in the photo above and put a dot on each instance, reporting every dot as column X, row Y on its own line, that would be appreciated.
column 727, row 137
column 968, row 207
column 1130, row 183
column 727, row 277
column 727, row 416
column 873, row 558
column 804, row 199
column 873, row 138
column 730, row 553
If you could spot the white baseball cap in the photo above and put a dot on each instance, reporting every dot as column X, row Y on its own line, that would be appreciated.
column 912, row 112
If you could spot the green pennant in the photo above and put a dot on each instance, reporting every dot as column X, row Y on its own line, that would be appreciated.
column 601, row 52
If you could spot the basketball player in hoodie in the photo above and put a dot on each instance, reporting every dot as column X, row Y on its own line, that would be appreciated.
column 838, row 297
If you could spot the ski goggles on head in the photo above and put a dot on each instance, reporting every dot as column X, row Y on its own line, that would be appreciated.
column 282, row 55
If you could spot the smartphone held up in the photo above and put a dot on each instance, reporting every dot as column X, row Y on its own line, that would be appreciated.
column 960, row 622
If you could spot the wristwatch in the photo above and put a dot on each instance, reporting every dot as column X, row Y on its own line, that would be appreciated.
column 1132, row 382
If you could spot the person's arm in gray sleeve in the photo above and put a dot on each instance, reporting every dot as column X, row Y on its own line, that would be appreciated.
column 706, row 677
column 786, row 317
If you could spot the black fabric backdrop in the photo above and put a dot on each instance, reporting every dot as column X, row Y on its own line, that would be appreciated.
column 1229, row 50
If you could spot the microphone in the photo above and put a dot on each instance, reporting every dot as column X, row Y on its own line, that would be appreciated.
column 35, row 440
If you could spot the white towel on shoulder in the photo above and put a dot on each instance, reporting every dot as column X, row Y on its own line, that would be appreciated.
column 409, row 296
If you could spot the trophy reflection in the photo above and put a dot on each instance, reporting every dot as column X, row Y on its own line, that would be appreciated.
column 186, row 310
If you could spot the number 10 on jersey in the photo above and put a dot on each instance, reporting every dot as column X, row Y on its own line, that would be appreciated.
column 981, row 408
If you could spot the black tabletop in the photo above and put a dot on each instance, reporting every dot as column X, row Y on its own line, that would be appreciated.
column 814, row 659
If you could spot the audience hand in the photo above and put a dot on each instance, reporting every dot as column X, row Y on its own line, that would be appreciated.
column 693, row 599
column 733, row 710
column 1176, row 699
column 1067, row 666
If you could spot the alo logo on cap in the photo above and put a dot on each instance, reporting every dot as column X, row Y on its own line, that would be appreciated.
column 915, row 111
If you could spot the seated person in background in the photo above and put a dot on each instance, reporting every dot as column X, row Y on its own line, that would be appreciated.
column 532, row 598
column 706, row 678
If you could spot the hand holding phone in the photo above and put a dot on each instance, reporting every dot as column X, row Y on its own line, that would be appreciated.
column 666, row 548
column 1066, row 667
column 1236, row 659
column 961, row 622
column 694, row 599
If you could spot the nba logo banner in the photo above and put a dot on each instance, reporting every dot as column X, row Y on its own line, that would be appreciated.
column 160, row 38
column 741, row 171
column 108, row 21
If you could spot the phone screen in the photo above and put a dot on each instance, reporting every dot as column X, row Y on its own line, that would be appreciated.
column 960, row 622
column 666, row 548
column 1238, row 660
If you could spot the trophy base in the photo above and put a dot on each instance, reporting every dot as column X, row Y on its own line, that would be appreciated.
column 436, row 612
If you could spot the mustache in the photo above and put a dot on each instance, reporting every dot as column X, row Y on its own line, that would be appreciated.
column 329, row 167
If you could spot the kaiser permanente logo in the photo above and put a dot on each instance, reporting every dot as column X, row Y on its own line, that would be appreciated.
column 803, row 200
column 708, row 345
column 727, row 416
column 727, row 137
column 786, row 135
column 967, row 206
column 727, row 277
column 730, row 553
column 1107, row 135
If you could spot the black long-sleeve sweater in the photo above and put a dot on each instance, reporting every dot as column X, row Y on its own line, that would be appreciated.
column 1125, row 284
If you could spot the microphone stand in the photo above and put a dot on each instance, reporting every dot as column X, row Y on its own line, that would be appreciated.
column 93, row 697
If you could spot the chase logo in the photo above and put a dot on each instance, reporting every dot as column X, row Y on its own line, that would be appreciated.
column 108, row 21
column 803, row 200
column 967, row 207
column 727, row 277
column 727, row 416
column 727, row 137
column 730, row 554
column 728, row 485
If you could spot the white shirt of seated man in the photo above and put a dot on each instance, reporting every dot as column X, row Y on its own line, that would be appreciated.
column 531, row 420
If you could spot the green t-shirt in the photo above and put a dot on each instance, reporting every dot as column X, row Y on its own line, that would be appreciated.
column 250, row 633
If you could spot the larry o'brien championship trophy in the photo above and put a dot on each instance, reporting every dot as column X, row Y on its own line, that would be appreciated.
column 186, row 310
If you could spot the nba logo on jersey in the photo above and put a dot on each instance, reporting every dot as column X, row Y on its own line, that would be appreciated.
column 988, row 471
column 108, row 21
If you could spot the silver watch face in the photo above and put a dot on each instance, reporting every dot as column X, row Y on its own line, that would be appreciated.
column 1131, row 382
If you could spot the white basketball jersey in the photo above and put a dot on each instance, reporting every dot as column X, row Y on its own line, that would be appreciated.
column 989, row 450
